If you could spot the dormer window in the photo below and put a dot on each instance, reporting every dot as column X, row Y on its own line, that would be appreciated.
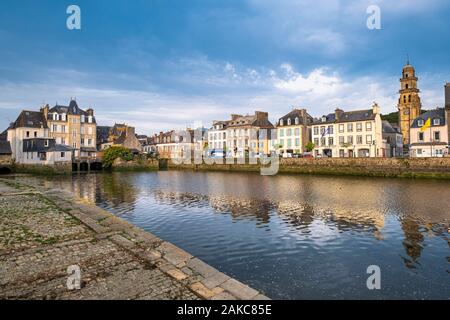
column 436, row 122
column 297, row 120
column 289, row 121
column 82, row 118
column 324, row 119
column 420, row 123
column 281, row 122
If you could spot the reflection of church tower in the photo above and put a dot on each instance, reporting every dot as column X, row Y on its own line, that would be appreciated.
column 409, row 104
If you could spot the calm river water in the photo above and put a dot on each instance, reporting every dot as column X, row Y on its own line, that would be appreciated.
column 293, row 237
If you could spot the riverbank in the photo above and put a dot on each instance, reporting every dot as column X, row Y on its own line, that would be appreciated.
column 431, row 168
column 44, row 231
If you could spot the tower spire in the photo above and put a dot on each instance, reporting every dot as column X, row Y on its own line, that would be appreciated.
column 407, row 58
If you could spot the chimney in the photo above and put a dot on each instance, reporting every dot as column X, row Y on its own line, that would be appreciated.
column 90, row 112
column 447, row 95
column 130, row 131
column 260, row 115
column 376, row 108
column 44, row 110
column 338, row 113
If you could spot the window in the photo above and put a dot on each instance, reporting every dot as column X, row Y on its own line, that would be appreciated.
column 369, row 139
column 281, row 132
column 436, row 122
column 55, row 128
column 341, row 128
column 35, row 134
column 322, row 130
column 350, row 139
column 341, row 140
column 316, row 141
column 63, row 140
column 82, row 141
column 419, row 151
column 289, row 143
column 404, row 99
column 368, row 126
column 28, row 134
column 82, row 118
column 330, row 141
column 359, row 139
column 316, row 131
column 350, row 127
column 289, row 121
column 420, row 122
column 63, row 129
column 437, row 136
column 289, row 132
column 74, row 133
column 297, row 132
column 330, row 130
column 297, row 121
column 63, row 154
column 90, row 119
column 323, row 142
column 406, row 86
column 297, row 142
column 281, row 122
column 359, row 126
column 409, row 98
column 89, row 142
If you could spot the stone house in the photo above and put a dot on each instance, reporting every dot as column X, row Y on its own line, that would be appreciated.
column 5, row 154
column 394, row 138
column 126, row 138
column 432, row 141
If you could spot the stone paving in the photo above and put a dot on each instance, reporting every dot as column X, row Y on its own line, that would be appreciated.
column 43, row 232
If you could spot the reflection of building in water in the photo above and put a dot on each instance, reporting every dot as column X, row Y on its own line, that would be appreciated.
column 242, row 208
column 237, row 208
column 344, row 219
column 413, row 242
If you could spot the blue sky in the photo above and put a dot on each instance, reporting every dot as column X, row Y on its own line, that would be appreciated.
column 163, row 64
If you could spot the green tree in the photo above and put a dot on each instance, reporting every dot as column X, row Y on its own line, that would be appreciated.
column 114, row 152
column 310, row 146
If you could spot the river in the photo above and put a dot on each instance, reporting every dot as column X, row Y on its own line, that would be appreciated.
column 291, row 236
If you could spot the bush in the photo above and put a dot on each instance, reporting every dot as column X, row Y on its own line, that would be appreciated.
column 112, row 153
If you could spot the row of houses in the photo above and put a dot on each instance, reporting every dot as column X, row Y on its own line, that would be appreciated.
column 69, row 134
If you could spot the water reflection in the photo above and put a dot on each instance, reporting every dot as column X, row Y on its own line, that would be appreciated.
column 276, row 233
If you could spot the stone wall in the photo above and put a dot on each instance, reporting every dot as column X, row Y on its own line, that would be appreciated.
column 135, row 165
column 59, row 168
column 5, row 159
column 380, row 167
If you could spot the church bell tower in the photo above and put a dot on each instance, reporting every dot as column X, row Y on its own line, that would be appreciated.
column 409, row 104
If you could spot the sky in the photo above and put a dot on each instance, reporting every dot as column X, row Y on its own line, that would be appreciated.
column 165, row 64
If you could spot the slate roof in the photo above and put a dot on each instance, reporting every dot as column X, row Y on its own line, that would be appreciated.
column 5, row 147
column 438, row 113
column 103, row 134
column 389, row 127
column 71, row 109
column 30, row 119
column 251, row 120
column 347, row 116
column 296, row 113
column 4, row 135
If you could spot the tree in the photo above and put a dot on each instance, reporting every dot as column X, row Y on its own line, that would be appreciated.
column 310, row 146
column 114, row 152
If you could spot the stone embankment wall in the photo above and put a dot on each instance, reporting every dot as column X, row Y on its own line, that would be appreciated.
column 60, row 168
column 377, row 167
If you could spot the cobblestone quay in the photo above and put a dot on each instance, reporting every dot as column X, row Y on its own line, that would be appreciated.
column 43, row 232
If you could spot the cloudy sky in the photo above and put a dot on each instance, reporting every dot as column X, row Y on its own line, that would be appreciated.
column 162, row 64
